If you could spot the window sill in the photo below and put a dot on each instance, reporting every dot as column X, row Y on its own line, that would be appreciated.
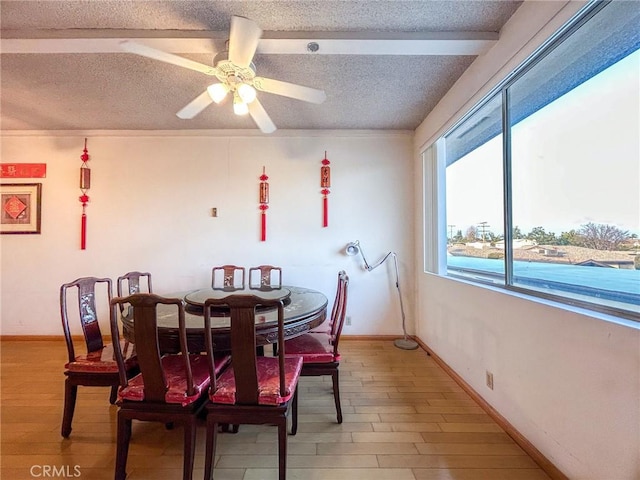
column 607, row 317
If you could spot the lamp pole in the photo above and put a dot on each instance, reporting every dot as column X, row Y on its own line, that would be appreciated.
column 354, row 248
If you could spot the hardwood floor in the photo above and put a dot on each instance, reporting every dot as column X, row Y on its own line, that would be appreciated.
column 404, row 419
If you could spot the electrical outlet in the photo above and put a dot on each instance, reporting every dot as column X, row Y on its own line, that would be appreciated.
column 348, row 320
column 489, row 376
column 214, row 212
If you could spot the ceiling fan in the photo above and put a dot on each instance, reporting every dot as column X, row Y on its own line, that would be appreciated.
column 236, row 75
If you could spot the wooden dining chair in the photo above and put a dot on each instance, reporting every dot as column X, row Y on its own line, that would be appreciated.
column 268, row 276
column 171, row 388
column 97, row 366
column 319, row 350
column 329, row 327
column 253, row 390
column 233, row 276
column 136, row 282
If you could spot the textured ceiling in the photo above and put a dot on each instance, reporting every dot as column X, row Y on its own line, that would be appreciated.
column 118, row 90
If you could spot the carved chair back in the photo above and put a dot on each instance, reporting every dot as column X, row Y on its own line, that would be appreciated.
column 232, row 276
column 88, row 288
column 266, row 274
column 135, row 282
column 340, row 311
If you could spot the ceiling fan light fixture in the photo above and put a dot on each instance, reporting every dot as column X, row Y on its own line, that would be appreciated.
column 235, row 74
column 247, row 93
column 218, row 91
column 239, row 107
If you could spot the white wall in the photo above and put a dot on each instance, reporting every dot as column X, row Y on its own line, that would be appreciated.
column 567, row 380
column 151, row 196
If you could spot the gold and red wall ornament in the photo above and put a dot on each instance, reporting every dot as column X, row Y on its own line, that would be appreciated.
column 85, row 185
column 23, row 170
column 264, row 200
column 325, row 184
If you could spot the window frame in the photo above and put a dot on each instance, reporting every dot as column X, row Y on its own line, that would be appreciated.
column 503, row 89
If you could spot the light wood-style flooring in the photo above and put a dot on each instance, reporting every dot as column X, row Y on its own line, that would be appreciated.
column 404, row 419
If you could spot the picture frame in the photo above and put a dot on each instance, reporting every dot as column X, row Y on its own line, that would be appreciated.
column 20, row 208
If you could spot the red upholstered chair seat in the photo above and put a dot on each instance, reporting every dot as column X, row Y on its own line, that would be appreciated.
column 268, row 382
column 103, row 360
column 173, row 366
column 313, row 347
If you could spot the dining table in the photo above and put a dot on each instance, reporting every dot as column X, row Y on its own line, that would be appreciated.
column 304, row 309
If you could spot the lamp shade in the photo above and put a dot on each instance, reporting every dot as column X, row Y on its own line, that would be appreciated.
column 352, row 248
column 217, row 91
column 247, row 93
column 239, row 107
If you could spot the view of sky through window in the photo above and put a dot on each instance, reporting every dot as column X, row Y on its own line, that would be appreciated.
column 561, row 181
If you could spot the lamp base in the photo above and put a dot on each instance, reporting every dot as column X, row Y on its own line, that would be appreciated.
column 405, row 344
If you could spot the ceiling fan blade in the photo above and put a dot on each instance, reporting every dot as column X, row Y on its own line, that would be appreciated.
column 149, row 52
column 260, row 116
column 194, row 107
column 243, row 40
column 290, row 90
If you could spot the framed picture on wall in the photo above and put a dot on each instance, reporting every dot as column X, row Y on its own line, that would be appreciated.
column 20, row 207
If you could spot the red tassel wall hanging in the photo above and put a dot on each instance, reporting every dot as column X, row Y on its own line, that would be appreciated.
column 264, row 200
column 325, row 184
column 85, row 184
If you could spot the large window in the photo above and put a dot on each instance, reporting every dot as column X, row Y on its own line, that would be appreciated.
column 543, row 177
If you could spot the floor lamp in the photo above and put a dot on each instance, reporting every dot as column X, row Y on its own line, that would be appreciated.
column 354, row 248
